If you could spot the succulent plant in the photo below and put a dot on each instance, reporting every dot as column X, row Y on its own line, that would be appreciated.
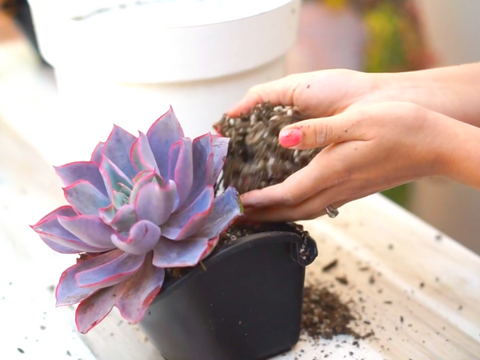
column 140, row 205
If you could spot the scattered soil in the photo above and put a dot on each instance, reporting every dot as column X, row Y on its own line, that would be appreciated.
column 255, row 159
column 325, row 315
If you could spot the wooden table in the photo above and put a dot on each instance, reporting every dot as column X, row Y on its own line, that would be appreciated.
column 420, row 275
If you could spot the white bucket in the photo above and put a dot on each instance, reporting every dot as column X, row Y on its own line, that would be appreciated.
column 126, row 65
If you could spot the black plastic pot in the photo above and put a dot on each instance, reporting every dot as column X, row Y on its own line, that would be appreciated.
column 247, row 304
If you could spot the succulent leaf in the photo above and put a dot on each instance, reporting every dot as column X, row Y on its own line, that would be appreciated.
column 155, row 203
column 51, row 231
column 140, row 290
column 68, row 292
column 111, row 272
column 220, row 149
column 202, row 166
column 97, row 153
column 146, row 178
column 142, row 238
column 85, row 198
column 187, row 222
column 61, row 211
column 107, row 214
column 224, row 210
column 96, row 307
column 117, row 149
column 212, row 243
column 57, row 247
column 169, row 253
column 124, row 219
column 90, row 229
column 181, row 169
column 142, row 155
column 119, row 199
column 162, row 135
column 113, row 177
column 81, row 170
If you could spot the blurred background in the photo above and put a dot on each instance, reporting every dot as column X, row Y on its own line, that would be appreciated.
column 104, row 61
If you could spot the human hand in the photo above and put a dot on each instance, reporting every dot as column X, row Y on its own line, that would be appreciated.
column 368, row 149
column 316, row 94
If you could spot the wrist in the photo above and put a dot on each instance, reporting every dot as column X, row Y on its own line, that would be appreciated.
column 460, row 155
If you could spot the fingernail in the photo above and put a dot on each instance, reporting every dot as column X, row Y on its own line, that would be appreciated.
column 290, row 137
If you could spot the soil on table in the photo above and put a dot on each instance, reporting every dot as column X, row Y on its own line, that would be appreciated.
column 325, row 315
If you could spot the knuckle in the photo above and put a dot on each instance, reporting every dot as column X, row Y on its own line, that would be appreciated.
column 321, row 133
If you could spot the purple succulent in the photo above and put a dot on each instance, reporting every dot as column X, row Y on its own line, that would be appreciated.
column 140, row 205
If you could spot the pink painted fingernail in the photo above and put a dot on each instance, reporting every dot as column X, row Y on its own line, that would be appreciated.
column 290, row 137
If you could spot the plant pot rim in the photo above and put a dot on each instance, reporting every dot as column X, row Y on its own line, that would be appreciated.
column 242, row 244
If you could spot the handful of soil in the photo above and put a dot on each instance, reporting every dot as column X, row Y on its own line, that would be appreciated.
column 255, row 159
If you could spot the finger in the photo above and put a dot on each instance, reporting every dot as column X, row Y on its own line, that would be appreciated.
column 307, row 210
column 317, row 133
column 278, row 92
column 298, row 186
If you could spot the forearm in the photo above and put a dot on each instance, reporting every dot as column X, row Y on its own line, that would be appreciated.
column 462, row 155
column 453, row 91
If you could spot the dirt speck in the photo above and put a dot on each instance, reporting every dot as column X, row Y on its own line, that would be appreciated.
column 331, row 265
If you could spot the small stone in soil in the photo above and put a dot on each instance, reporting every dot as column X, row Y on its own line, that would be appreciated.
column 330, row 266
column 342, row 280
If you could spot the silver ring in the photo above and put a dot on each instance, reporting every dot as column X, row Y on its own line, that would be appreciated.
column 331, row 211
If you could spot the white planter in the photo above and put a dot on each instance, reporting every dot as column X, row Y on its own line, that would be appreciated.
column 128, row 65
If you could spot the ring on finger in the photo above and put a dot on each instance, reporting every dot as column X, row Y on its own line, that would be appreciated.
column 331, row 211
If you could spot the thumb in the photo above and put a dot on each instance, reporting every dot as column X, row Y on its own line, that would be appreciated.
column 316, row 133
